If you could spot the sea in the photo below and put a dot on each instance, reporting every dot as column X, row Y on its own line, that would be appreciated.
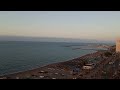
column 17, row 56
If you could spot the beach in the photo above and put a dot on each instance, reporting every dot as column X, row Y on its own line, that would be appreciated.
column 106, row 66
column 61, row 70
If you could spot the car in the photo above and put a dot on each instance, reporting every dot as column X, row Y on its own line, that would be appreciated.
column 111, row 62
column 87, row 67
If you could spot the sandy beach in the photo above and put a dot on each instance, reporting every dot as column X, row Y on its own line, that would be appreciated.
column 61, row 70
column 106, row 67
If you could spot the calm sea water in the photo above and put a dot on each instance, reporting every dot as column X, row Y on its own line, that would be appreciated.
column 22, row 56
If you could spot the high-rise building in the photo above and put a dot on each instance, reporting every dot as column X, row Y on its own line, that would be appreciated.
column 118, row 45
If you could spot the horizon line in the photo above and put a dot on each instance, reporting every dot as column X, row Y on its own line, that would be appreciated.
column 53, row 37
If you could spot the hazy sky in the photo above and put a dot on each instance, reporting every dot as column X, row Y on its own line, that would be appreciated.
column 100, row 25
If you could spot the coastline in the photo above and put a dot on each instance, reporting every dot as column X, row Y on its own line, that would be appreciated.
column 29, row 73
column 49, row 64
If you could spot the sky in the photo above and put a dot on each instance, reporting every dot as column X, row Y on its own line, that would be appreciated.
column 99, row 25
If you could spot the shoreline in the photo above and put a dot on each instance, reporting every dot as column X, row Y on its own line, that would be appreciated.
column 31, row 71
column 95, row 51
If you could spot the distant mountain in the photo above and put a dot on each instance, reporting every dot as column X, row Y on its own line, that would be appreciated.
column 49, row 39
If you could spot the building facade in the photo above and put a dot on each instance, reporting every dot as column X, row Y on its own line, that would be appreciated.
column 118, row 45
